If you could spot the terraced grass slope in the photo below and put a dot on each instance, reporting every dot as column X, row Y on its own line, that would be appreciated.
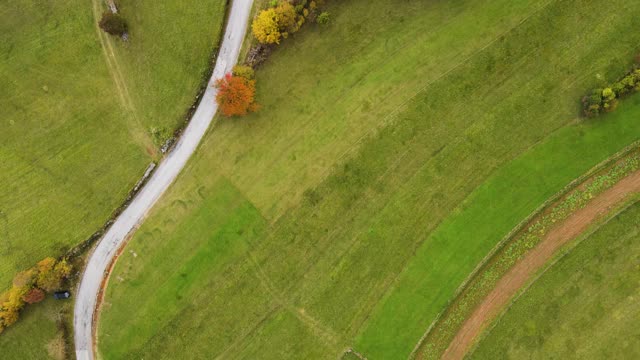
column 345, row 179
column 584, row 307
column 71, row 147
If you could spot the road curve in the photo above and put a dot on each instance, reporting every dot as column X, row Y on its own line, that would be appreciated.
column 102, row 256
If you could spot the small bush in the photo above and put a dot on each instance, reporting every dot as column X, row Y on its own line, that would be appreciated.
column 160, row 135
column 606, row 99
column 113, row 24
column 324, row 18
column 243, row 71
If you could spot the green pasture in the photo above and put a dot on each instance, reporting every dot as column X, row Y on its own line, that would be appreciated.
column 393, row 150
column 37, row 334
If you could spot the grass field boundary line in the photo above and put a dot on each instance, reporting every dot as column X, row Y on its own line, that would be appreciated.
column 520, row 226
column 564, row 252
column 327, row 335
column 274, row 308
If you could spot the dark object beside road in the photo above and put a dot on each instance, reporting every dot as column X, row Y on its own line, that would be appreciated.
column 61, row 295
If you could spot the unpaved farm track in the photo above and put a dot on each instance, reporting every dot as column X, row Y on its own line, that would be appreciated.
column 522, row 272
column 102, row 257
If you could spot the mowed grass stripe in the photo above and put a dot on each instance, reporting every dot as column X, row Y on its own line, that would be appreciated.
column 585, row 306
column 337, row 252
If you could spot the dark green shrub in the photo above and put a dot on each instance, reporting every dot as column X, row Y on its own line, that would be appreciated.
column 113, row 24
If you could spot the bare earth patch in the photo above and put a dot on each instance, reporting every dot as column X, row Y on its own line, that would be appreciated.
column 534, row 260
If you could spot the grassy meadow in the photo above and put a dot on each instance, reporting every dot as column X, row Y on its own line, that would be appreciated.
column 168, row 55
column 584, row 307
column 37, row 335
column 70, row 147
column 393, row 150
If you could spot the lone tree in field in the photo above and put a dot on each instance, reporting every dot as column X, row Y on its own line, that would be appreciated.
column 113, row 24
column 236, row 95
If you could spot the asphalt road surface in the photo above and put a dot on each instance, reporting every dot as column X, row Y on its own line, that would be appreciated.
column 99, row 261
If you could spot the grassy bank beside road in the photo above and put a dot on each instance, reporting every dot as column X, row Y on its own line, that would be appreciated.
column 585, row 306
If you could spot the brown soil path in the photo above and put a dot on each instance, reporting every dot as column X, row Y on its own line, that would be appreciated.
column 534, row 260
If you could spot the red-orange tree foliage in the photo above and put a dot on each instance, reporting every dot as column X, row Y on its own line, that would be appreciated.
column 34, row 295
column 236, row 95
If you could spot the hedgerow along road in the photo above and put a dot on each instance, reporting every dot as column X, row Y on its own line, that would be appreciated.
column 98, row 266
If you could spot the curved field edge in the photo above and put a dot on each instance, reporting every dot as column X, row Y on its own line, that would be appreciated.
column 487, row 216
column 519, row 243
column 596, row 274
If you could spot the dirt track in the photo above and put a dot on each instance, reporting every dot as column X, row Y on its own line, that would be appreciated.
column 534, row 260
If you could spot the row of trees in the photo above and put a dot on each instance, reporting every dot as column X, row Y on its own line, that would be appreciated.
column 30, row 286
column 285, row 17
column 236, row 91
column 606, row 99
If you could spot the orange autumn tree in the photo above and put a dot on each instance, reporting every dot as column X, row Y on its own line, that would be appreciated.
column 236, row 95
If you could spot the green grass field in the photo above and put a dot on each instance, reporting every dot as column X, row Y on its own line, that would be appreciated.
column 349, row 209
column 36, row 335
column 71, row 149
column 168, row 55
column 584, row 307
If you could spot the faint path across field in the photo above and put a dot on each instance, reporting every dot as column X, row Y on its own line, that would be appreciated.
column 534, row 260
column 100, row 260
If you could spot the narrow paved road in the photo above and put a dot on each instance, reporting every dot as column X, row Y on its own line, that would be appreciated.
column 104, row 253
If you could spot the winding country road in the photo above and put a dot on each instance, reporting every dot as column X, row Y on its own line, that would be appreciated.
column 103, row 255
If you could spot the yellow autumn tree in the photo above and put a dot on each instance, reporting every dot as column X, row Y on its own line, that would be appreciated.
column 285, row 15
column 52, row 273
column 265, row 27
column 274, row 23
